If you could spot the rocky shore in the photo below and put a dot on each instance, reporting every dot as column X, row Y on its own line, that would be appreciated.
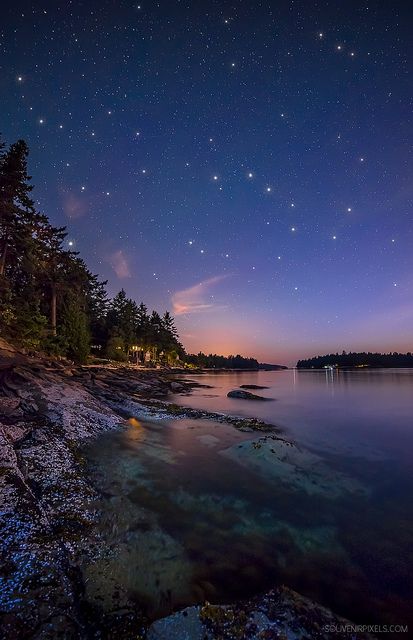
column 48, row 411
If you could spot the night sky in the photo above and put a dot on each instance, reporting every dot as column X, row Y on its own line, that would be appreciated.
column 247, row 165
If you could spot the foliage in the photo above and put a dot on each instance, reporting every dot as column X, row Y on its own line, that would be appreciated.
column 358, row 360
column 49, row 300
column 221, row 362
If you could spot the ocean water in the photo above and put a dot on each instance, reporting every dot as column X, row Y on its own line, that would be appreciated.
column 194, row 510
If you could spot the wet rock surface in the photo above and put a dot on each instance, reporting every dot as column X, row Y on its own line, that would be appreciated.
column 281, row 614
column 245, row 395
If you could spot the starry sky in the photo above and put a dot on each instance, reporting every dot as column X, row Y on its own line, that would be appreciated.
column 245, row 164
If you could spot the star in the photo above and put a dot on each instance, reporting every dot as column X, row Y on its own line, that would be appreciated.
column 320, row 35
column 70, row 243
column 268, row 189
column 82, row 188
column 215, row 178
column 334, row 237
column 292, row 228
column 41, row 121
column 232, row 64
column 339, row 47
column 19, row 78
column 250, row 175
column 361, row 159
column 190, row 242
column 349, row 209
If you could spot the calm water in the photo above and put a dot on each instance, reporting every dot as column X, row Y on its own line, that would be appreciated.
column 194, row 510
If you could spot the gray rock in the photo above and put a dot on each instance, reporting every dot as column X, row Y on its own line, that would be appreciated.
column 176, row 386
column 244, row 395
column 252, row 386
column 184, row 625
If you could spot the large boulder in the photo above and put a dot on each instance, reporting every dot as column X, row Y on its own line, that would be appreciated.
column 244, row 395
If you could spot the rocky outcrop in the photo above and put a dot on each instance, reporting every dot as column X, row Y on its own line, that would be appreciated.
column 48, row 410
column 281, row 613
column 252, row 386
column 245, row 395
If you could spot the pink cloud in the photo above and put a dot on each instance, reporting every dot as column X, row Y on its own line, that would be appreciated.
column 193, row 299
column 73, row 206
column 119, row 264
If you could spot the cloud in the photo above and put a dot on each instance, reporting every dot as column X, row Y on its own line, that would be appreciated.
column 119, row 264
column 193, row 299
column 73, row 206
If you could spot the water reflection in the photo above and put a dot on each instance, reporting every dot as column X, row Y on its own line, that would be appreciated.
column 192, row 510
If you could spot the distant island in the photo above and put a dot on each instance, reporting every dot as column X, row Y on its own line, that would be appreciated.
column 358, row 360
column 214, row 361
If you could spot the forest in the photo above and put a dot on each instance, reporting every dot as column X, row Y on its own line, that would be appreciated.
column 214, row 361
column 49, row 300
column 363, row 359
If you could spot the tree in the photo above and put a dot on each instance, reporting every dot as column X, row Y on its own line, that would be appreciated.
column 75, row 332
column 18, row 217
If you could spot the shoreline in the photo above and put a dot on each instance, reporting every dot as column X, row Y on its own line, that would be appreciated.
column 51, row 410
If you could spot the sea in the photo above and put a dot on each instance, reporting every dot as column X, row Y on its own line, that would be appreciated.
column 194, row 510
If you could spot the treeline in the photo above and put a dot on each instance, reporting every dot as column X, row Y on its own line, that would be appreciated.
column 213, row 361
column 50, row 301
column 363, row 359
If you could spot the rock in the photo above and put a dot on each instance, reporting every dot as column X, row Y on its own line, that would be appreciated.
column 280, row 613
column 252, row 386
column 176, row 386
column 244, row 395
column 9, row 406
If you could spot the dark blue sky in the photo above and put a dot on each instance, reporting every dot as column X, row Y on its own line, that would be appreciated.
column 247, row 165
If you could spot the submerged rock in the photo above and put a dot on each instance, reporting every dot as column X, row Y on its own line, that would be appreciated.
column 245, row 395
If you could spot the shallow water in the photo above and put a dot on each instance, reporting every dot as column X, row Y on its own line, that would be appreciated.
column 193, row 510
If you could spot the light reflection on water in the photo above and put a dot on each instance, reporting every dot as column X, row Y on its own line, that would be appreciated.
column 186, row 522
column 372, row 409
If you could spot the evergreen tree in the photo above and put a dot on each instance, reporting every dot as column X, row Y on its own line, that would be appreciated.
column 75, row 332
column 18, row 218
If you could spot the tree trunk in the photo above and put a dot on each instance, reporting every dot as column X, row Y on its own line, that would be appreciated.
column 3, row 258
column 53, row 310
